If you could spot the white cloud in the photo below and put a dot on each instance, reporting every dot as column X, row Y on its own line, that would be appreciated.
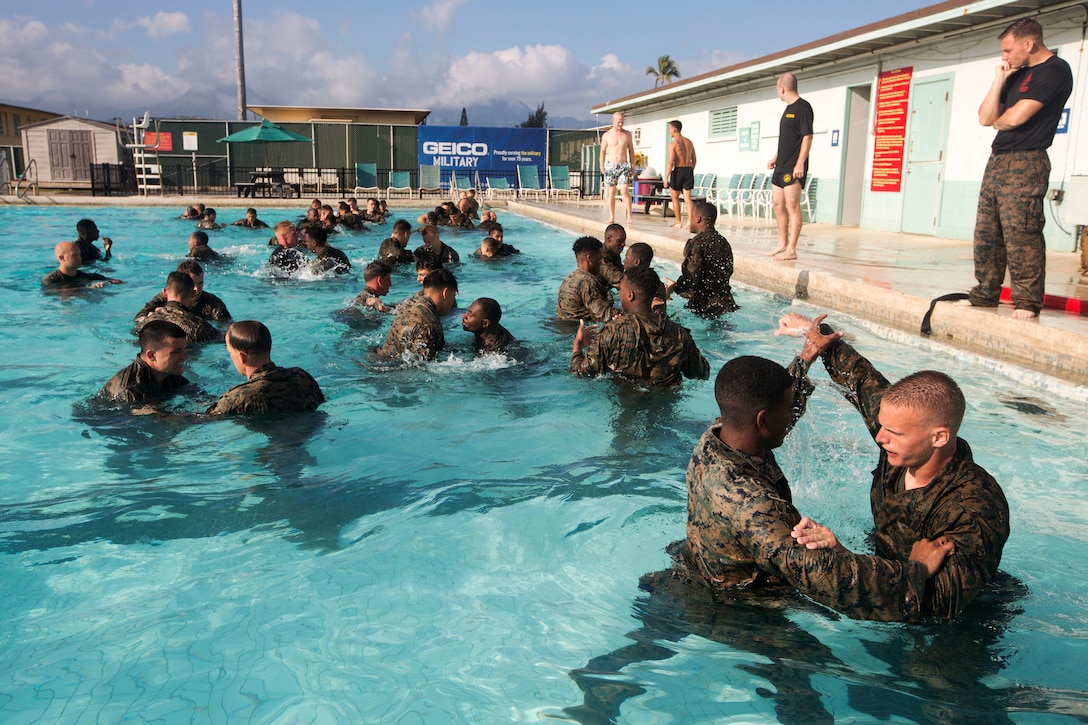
column 163, row 24
column 439, row 15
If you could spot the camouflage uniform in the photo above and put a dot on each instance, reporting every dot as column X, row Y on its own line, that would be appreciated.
column 646, row 349
column 611, row 268
column 90, row 253
column 207, row 306
column 584, row 296
column 196, row 327
column 60, row 280
column 446, row 254
column 391, row 252
column 330, row 259
column 287, row 260
column 497, row 339
column 963, row 502
column 373, row 217
column 203, row 253
column 1009, row 222
column 416, row 329
column 704, row 276
column 271, row 389
column 136, row 384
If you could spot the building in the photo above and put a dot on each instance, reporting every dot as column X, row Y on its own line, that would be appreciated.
column 12, row 119
column 884, row 160
column 64, row 149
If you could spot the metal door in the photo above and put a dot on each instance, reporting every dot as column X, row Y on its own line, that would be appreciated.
column 926, row 144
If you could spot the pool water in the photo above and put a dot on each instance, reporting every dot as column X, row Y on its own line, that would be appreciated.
column 462, row 541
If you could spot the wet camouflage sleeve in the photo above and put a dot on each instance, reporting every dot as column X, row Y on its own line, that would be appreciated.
column 740, row 516
column 210, row 307
column 416, row 329
column 271, row 389
column 391, row 252
column 583, row 296
column 611, row 270
column 196, row 327
column 705, row 274
column 135, row 384
column 647, row 350
column 963, row 502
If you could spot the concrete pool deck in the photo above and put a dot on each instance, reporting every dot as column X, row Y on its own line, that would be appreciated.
column 885, row 277
column 888, row 278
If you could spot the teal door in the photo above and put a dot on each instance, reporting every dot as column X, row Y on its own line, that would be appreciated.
column 927, row 143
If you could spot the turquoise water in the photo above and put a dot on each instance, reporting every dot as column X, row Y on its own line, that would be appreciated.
column 462, row 541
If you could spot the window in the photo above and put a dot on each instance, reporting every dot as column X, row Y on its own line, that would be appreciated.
column 636, row 136
column 16, row 122
column 2, row 123
column 723, row 124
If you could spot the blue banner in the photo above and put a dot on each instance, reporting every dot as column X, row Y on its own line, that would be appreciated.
column 470, row 149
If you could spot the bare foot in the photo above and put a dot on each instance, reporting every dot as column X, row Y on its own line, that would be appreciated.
column 612, row 220
column 784, row 256
column 678, row 225
column 1023, row 314
column 777, row 250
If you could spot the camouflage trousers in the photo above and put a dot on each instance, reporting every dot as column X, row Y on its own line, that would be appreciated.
column 1009, row 229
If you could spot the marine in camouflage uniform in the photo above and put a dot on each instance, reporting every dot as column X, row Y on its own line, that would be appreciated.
column 136, row 384
column 393, row 253
column 204, row 253
column 495, row 339
column 647, row 349
column 584, row 296
column 611, row 268
column 288, row 260
column 445, row 253
column 207, row 305
column 196, row 327
column 330, row 259
column 60, row 280
column 416, row 329
column 271, row 389
column 705, row 273
column 963, row 503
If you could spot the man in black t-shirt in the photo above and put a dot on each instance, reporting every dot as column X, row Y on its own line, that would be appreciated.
column 790, row 166
column 1024, row 103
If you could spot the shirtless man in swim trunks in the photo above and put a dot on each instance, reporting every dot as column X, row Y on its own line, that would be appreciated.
column 680, row 172
column 617, row 162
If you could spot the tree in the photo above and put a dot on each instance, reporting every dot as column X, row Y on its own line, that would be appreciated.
column 665, row 71
column 464, row 116
column 536, row 119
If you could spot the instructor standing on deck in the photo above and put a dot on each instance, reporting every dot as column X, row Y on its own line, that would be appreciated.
column 790, row 166
column 1024, row 103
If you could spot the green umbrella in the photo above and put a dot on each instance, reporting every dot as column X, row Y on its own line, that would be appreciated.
column 266, row 133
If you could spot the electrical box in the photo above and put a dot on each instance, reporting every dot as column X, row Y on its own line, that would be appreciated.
column 1075, row 206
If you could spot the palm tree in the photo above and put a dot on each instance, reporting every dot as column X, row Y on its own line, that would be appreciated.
column 665, row 71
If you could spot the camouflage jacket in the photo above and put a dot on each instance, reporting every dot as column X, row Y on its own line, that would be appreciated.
column 583, row 296
column 60, row 280
column 372, row 217
column 391, row 252
column 963, row 502
column 705, row 273
column 136, row 384
column 498, row 339
column 287, row 260
column 196, row 327
column 645, row 349
column 271, row 389
column 330, row 259
column 446, row 254
column 416, row 329
column 207, row 306
column 611, row 268
column 203, row 253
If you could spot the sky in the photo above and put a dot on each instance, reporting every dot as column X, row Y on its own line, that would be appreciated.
column 118, row 58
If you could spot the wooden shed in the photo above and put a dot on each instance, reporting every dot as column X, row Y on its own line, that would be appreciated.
column 65, row 148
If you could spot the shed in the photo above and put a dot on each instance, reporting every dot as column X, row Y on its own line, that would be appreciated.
column 65, row 148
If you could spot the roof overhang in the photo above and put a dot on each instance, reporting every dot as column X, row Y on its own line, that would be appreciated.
column 853, row 48
column 332, row 114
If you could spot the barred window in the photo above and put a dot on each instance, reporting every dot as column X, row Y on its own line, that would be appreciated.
column 636, row 135
column 723, row 123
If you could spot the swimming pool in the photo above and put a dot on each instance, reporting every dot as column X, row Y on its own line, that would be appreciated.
column 462, row 541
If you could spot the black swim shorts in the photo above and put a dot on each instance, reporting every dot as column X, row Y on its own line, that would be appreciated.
column 783, row 179
column 682, row 177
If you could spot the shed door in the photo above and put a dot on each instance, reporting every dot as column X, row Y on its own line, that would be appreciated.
column 71, row 154
column 926, row 144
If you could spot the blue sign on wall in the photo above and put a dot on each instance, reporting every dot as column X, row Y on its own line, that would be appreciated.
column 470, row 149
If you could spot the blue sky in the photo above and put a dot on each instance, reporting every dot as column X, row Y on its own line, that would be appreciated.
column 107, row 58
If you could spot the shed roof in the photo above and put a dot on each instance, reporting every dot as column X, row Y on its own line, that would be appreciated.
column 97, row 124
column 859, row 46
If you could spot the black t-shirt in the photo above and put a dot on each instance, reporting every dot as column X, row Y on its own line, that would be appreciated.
column 796, row 123
column 1049, row 83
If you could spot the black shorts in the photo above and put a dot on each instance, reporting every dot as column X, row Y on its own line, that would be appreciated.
column 783, row 179
column 682, row 177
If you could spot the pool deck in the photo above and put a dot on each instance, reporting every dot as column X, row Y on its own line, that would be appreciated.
column 888, row 278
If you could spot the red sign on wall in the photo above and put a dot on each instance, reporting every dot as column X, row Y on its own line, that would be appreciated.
column 159, row 141
column 892, row 105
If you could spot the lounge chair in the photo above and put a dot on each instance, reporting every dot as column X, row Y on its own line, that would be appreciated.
column 459, row 184
column 808, row 196
column 559, row 178
column 499, row 188
column 529, row 184
column 400, row 185
column 430, row 180
column 311, row 181
column 328, row 179
column 366, row 180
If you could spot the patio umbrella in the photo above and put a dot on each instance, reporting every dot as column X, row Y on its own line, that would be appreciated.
column 266, row 133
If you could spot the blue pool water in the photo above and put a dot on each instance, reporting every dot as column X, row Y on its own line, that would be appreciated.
column 462, row 541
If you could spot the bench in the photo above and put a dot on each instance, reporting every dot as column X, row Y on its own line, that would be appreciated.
column 245, row 188
column 664, row 200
